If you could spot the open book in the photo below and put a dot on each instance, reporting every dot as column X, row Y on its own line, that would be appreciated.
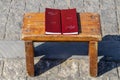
column 61, row 21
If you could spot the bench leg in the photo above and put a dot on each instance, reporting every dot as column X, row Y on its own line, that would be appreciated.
column 29, row 48
column 93, row 56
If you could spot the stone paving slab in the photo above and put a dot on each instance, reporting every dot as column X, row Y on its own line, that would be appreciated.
column 37, row 78
column 57, row 69
column 92, row 6
column 1, row 67
column 108, row 70
column 32, row 6
column 4, row 9
column 46, row 3
column 14, row 21
column 14, row 69
column 78, row 4
column 18, row 78
column 108, row 17
column 12, row 49
column 61, row 4
column 76, row 69
column 15, row 78
column 54, row 50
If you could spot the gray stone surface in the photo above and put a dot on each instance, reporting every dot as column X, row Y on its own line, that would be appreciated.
column 118, row 65
column 78, row 4
column 58, row 69
column 118, row 12
column 11, row 14
column 15, row 78
column 14, row 69
column 63, row 50
column 69, row 68
column 84, row 68
column 46, row 4
column 108, row 17
column 109, row 69
column 61, row 4
column 4, row 11
column 91, row 6
column 32, row 6
column 12, row 49
column 36, row 78
column 1, row 67
column 4, row 5
column 14, row 21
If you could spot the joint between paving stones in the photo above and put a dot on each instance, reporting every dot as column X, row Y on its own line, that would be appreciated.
column 117, row 70
column 2, row 68
column 7, row 20
column 25, row 6
column 116, row 13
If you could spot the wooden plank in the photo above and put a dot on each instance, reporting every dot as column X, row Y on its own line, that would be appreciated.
column 93, row 54
column 90, row 23
column 33, row 24
column 63, row 38
column 29, row 48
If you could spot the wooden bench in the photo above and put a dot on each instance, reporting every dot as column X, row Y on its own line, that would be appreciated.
column 33, row 30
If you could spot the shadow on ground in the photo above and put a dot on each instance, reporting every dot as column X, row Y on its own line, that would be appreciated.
column 55, row 53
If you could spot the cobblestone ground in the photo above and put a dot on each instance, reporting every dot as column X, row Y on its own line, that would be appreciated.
column 12, row 11
column 11, row 15
column 71, row 69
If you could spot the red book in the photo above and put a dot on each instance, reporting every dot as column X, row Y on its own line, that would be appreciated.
column 69, row 21
column 52, row 21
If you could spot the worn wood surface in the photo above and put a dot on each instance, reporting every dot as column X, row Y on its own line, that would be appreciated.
column 90, row 23
column 33, row 24
column 29, row 57
column 34, row 28
column 62, row 38
column 93, row 55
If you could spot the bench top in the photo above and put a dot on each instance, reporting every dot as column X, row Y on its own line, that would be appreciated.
column 33, row 28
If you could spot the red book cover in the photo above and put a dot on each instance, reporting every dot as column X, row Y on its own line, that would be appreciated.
column 69, row 21
column 52, row 21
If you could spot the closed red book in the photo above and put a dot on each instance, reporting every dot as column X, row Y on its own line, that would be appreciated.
column 52, row 21
column 69, row 21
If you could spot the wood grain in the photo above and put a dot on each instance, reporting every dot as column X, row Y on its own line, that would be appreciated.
column 93, row 48
column 29, row 57
column 90, row 23
column 33, row 24
column 34, row 28
column 62, row 38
